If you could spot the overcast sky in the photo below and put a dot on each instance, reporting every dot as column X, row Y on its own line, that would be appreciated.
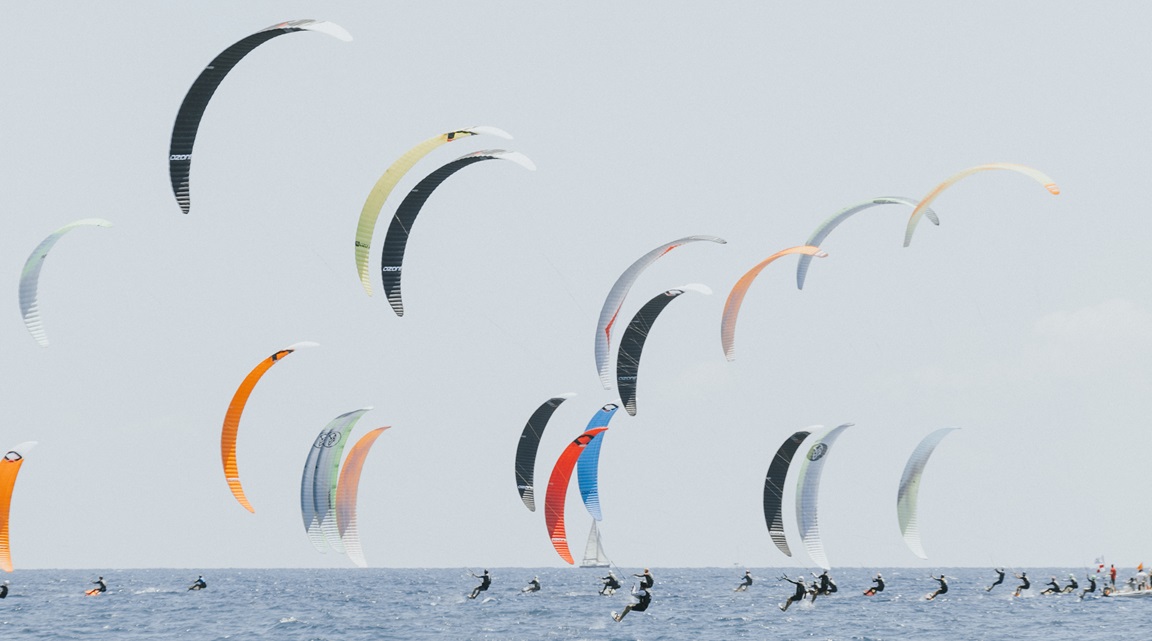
column 1024, row 319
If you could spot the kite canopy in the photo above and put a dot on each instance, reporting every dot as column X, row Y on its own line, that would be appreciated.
column 196, row 100
column 909, row 490
column 588, row 465
column 30, row 277
column 922, row 208
column 558, row 492
column 318, row 483
column 808, row 491
column 387, row 182
column 736, row 296
column 619, row 292
column 9, row 466
column 396, row 239
column 636, row 334
column 346, row 491
column 529, row 444
column 827, row 226
column 774, row 489
column 232, row 420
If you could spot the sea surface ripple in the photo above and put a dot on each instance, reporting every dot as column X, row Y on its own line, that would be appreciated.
column 688, row 604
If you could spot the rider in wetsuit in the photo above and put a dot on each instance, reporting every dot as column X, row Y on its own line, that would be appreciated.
column 533, row 585
column 879, row 587
column 1054, row 587
column 4, row 590
column 943, row 589
column 827, row 586
column 1023, row 576
column 199, row 584
column 611, row 584
column 801, row 592
column 1072, row 584
column 998, row 581
column 485, row 581
column 643, row 598
column 745, row 583
column 100, row 585
column 1091, row 586
column 646, row 580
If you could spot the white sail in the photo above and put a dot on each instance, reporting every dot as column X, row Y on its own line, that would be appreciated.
column 808, row 489
column 594, row 556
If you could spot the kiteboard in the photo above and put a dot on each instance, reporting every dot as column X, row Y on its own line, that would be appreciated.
column 870, row 592
column 93, row 592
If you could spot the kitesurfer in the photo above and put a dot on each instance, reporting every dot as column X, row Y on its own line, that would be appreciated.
column 611, row 584
column 1053, row 587
column 4, row 590
column 643, row 598
column 879, row 587
column 199, row 584
column 485, row 581
column 826, row 585
column 1072, row 584
column 1091, row 585
column 646, row 580
column 101, row 587
column 801, row 592
column 943, row 589
column 998, row 581
column 747, row 581
column 1023, row 576
column 533, row 585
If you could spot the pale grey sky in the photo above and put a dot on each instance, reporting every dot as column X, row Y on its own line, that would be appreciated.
column 1024, row 319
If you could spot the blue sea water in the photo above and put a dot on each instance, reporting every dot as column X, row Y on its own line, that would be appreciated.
column 688, row 604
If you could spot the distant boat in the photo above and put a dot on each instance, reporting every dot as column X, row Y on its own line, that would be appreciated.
column 594, row 556
column 1126, row 591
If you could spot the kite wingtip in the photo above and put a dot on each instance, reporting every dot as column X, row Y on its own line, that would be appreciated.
column 492, row 131
column 519, row 159
column 23, row 448
column 696, row 287
column 330, row 28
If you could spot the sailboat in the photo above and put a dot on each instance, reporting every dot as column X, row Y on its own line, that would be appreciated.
column 594, row 556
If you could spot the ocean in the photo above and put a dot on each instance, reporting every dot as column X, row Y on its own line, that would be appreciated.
column 688, row 604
